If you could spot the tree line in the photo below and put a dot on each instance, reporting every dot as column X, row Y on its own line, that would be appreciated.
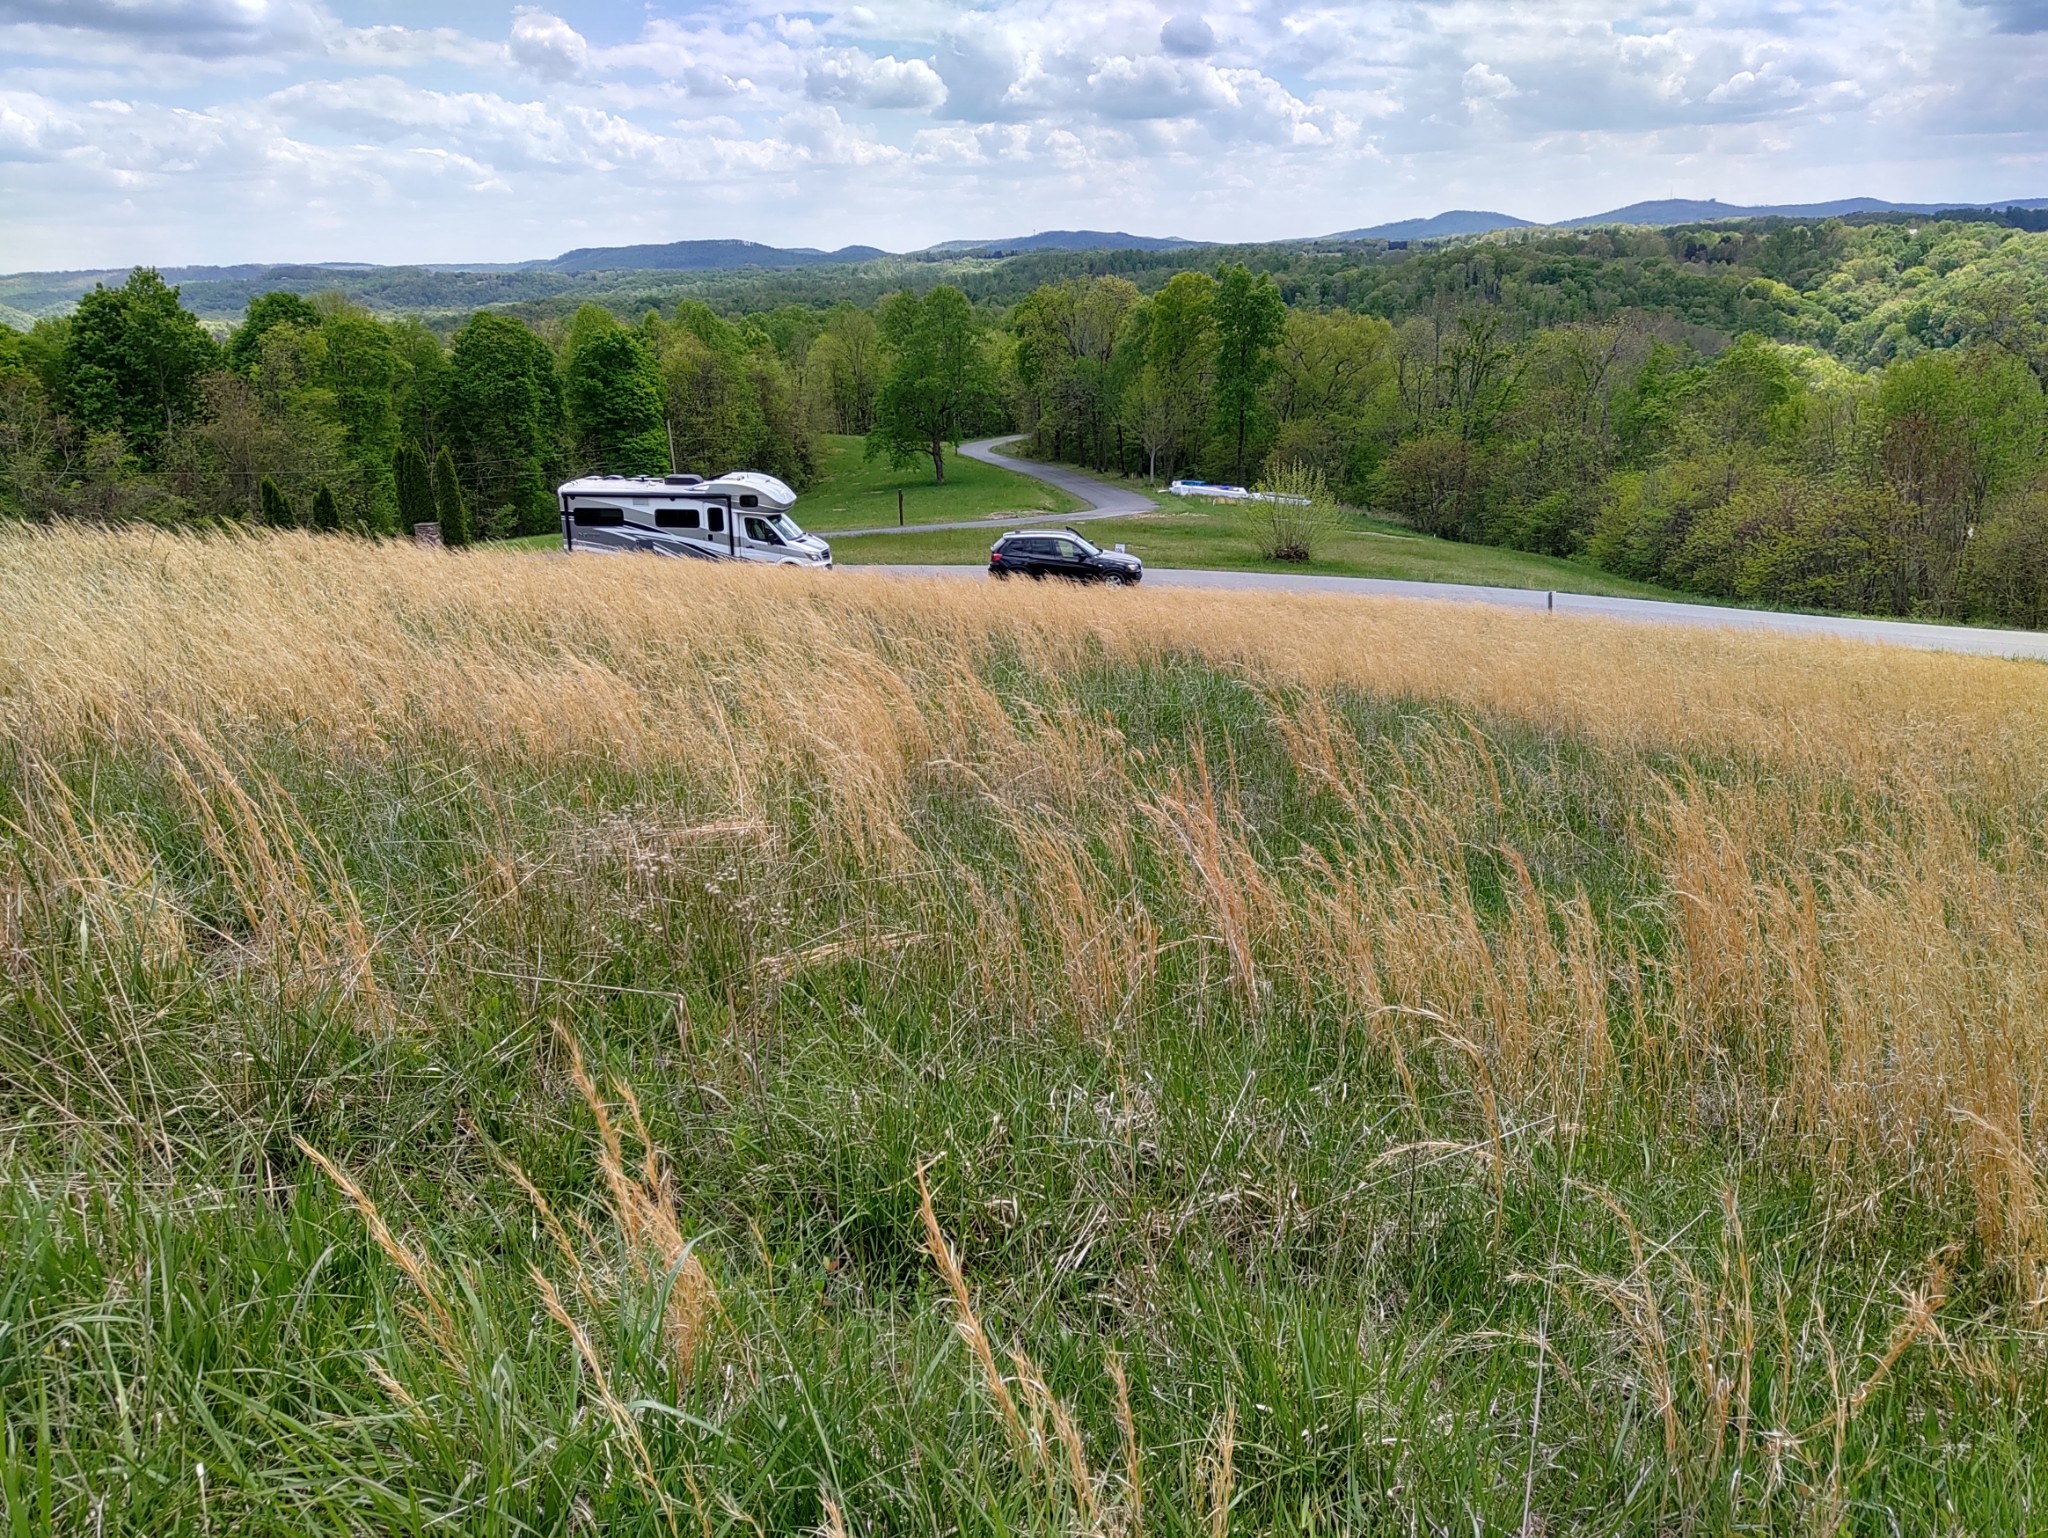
column 1760, row 471
column 129, row 408
column 1744, row 466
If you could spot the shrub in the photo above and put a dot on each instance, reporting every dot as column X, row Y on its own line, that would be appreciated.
column 1429, row 481
column 276, row 506
column 448, row 503
column 326, row 511
column 1294, row 525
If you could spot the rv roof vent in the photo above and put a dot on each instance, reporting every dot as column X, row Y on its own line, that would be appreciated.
column 684, row 480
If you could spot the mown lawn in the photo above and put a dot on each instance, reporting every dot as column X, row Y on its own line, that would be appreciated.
column 855, row 492
column 1216, row 538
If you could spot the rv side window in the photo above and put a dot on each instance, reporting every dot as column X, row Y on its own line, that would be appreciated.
column 588, row 517
column 714, row 519
column 759, row 532
column 675, row 518
column 748, row 499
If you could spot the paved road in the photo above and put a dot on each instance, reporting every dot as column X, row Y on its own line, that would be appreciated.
column 1107, row 501
column 1958, row 638
column 1098, row 499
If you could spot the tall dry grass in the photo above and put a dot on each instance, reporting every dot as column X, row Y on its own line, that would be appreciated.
column 1833, row 953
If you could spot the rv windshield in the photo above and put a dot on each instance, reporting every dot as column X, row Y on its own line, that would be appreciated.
column 782, row 524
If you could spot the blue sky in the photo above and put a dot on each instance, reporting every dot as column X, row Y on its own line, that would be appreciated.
column 176, row 131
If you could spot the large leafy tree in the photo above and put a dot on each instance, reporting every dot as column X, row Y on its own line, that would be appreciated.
column 940, row 386
column 504, row 423
column 1066, row 339
column 614, row 395
column 1249, row 313
column 133, row 360
column 265, row 313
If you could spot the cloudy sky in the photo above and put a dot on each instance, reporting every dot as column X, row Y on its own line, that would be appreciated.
column 177, row 131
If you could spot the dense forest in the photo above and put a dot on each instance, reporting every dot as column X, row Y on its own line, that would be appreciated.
column 1822, row 414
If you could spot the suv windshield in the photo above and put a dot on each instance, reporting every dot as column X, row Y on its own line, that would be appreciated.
column 1086, row 548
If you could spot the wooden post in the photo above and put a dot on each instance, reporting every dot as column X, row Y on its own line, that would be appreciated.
column 899, row 507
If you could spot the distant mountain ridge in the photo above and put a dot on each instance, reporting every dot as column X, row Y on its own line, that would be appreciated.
column 25, row 296
column 1664, row 211
column 1062, row 240
column 703, row 256
column 1456, row 221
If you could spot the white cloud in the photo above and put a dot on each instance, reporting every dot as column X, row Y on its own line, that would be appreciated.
column 1482, row 83
column 189, row 129
column 203, row 27
column 548, row 46
column 849, row 76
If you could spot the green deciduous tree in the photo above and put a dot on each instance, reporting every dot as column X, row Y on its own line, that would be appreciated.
column 449, row 507
column 133, row 360
column 615, row 398
column 940, row 386
column 1249, row 314
column 846, row 364
column 1170, row 398
column 264, row 313
column 504, row 423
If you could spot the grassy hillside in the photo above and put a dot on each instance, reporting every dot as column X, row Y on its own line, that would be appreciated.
column 854, row 492
column 498, row 1045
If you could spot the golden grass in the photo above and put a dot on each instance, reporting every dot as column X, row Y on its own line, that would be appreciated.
column 557, row 657
column 1857, row 910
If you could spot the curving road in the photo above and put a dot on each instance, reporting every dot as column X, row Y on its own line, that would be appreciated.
column 1107, row 501
column 1098, row 499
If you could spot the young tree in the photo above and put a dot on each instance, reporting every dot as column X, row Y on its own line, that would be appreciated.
column 1249, row 314
column 415, row 483
column 614, row 392
column 326, row 511
column 448, row 504
column 133, row 360
column 940, row 386
column 276, row 506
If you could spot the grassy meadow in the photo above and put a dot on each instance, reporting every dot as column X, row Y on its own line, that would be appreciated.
column 506, row 1046
column 855, row 492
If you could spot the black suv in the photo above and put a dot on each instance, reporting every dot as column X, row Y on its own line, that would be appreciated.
column 1061, row 553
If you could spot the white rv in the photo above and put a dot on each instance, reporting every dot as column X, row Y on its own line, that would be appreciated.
column 742, row 515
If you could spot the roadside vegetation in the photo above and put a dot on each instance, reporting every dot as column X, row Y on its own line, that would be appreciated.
column 1206, row 536
column 500, row 1046
column 1814, row 415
